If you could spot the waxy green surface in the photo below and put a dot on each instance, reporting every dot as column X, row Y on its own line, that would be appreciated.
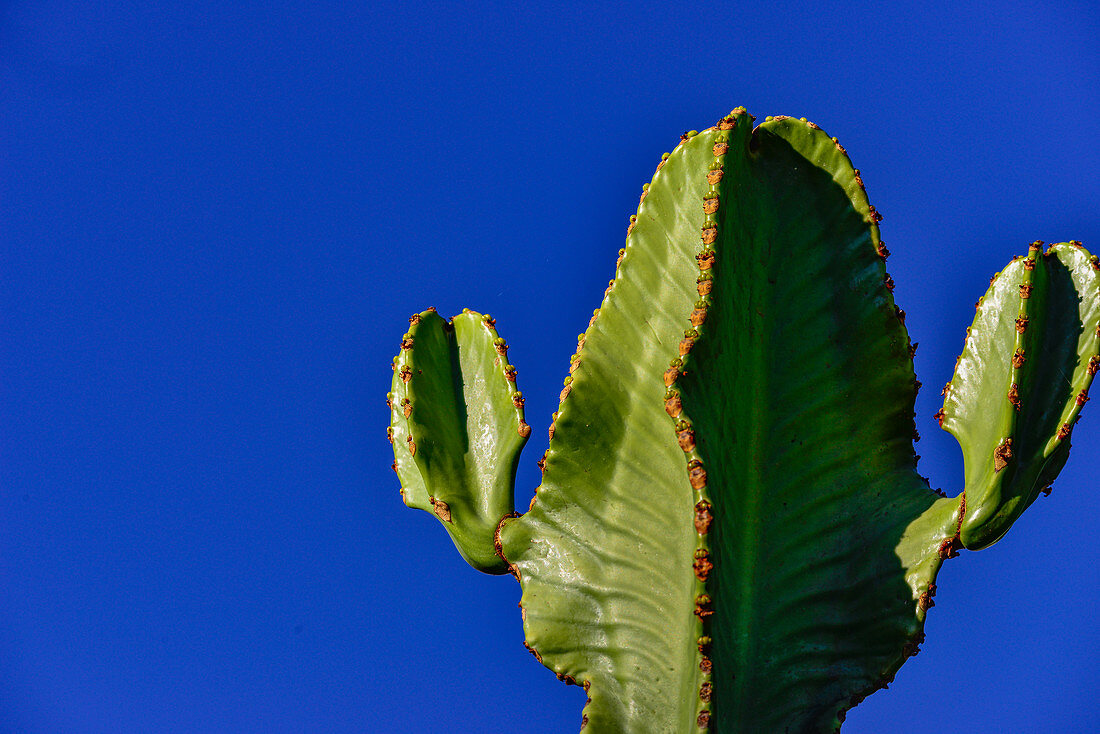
column 792, row 390
column 457, row 429
column 1023, row 377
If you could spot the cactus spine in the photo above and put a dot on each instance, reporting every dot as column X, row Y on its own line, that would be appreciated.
column 730, row 533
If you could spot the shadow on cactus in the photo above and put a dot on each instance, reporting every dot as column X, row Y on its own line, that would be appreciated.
column 731, row 534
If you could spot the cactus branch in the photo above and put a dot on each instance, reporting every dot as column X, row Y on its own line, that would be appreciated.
column 457, row 429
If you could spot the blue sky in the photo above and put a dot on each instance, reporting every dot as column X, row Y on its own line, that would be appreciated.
column 215, row 219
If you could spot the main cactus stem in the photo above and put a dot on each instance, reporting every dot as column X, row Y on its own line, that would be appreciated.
column 730, row 534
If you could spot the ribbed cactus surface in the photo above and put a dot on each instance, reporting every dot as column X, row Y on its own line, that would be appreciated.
column 730, row 533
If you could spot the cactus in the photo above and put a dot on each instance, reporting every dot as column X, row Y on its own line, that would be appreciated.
column 731, row 533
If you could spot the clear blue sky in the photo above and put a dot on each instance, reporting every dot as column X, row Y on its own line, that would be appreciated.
column 215, row 219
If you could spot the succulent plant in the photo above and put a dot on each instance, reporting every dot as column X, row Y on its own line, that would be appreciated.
column 731, row 533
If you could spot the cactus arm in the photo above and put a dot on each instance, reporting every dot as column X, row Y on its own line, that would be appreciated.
column 457, row 427
column 1020, row 383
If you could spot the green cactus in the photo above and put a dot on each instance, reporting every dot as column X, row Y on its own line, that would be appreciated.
column 731, row 534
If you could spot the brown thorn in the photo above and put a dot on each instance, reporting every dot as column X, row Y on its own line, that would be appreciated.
column 1002, row 455
column 442, row 509
column 697, row 475
column 702, row 564
column 1014, row 396
column 703, row 517
column 686, row 439
column 533, row 651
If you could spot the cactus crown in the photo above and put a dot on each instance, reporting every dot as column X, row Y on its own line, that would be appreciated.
column 730, row 533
